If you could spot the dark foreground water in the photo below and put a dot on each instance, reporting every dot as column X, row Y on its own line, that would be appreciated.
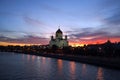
column 15, row 66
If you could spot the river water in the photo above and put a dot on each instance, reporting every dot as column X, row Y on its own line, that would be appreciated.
column 15, row 66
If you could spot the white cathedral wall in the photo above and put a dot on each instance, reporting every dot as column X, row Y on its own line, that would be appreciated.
column 59, row 43
column 59, row 36
column 65, row 43
column 52, row 43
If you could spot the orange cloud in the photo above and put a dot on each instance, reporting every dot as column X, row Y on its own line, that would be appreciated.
column 14, row 44
column 99, row 41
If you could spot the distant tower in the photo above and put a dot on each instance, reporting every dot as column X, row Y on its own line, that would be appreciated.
column 52, row 37
column 65, row 37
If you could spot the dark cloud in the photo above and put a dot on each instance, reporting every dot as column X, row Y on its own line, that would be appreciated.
column 113, row 19
column 91, row 34
column 22, row 37
column 79, row 30
column 26, row 40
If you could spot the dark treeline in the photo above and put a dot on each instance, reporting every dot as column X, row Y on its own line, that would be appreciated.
column 107, row 49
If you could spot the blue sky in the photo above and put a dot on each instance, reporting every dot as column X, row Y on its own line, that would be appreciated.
column 34, row 21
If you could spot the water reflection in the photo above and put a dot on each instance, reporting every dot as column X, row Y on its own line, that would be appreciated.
column 23, row 56
column 43, row 60
column 33, row 57
column 38, row 60
column 21, row 67
column 38, row 57
column 28, row 57
column 84, row 69
column 100, row 74
column 13, row 53
column 60, row 65
column 72, row 69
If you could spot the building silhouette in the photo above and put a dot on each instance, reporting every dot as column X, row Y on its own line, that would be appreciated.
column 58, row 40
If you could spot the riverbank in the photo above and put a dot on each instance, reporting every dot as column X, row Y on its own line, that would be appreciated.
column 113, row 63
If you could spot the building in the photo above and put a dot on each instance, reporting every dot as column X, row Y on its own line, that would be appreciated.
column 58, row 40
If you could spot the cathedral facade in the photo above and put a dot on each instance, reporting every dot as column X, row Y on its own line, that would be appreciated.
column 58, row 40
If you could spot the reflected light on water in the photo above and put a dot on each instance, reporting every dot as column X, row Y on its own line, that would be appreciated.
column 33, row 57
column 43, row 60
column 72, row 67
column 38, row 57
column 83, row 69
column 49, row 58
column 100, row 74
column 28, row 57
column 21, row 67
column 60, row 65
column 72, row 70
column 38, row 60
column 23, row 56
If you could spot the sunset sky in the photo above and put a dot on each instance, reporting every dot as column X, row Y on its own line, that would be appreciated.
column 34, row 21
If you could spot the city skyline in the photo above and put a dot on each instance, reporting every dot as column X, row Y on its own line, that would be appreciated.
column 34, row 21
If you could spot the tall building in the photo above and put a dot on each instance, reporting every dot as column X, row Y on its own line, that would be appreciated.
column 58, row 40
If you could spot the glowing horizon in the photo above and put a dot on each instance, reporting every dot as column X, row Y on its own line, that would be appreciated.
column 73, row 44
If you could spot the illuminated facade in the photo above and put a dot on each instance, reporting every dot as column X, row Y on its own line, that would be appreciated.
column 58, row 40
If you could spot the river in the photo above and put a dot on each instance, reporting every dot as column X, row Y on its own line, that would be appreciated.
column 14, row 66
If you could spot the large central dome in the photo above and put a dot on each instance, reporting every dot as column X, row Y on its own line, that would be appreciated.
column 58, row 31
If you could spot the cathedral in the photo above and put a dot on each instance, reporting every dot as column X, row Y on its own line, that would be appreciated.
column 58, row 40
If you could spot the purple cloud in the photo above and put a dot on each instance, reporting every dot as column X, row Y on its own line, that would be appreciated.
column 33, row 22
column 24, row 37
column 91, row 34
column 28, row 39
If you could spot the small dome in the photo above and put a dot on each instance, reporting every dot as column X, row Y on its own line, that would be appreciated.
column 58, row 31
